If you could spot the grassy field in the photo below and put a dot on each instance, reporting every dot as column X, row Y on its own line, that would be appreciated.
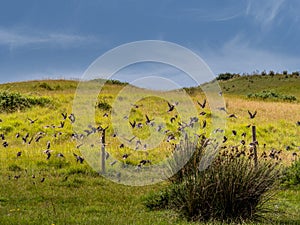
column 61, row 190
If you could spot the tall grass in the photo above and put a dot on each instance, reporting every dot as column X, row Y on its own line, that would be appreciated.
column 231, row 189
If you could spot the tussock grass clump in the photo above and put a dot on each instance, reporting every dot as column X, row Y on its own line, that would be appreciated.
column 231, row 189
column 12, row 101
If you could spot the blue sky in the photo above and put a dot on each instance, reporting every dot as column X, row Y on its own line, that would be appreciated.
column 60, row 39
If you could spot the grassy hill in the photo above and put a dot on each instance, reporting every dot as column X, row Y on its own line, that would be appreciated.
column 244, row 85
column 61, row 190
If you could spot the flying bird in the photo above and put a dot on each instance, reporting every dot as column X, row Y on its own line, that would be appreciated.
column 202, row 113
column 252, row 115
column 65, row 115
column 48, row 153
column 32, row 121
column 132, row 124
column 78, row 158
column 62, row 124
column 232, row 116
column 204, row 124
column 5, row 144
column 60, row 155
column 148, row 121
column 125, row 156
column 171, row 107
column 203, row 104
column 72, row 118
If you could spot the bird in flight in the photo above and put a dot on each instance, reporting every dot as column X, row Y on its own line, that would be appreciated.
column 148, row 121
column 132, row 124
column 203, row 104
column 64, row 115
column 252, row 115
column 232, row 116
column 72, row 118
column 171, row 107
column 32, row 121
column 78, row 158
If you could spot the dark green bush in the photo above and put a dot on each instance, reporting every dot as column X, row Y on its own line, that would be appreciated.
column 104, row 106
column 46, row 86
column 11, row 101
column 272, row 95
column 14, row 168
column 117, row 82
column 227, row 76
column 232, row 188
column 292, row 174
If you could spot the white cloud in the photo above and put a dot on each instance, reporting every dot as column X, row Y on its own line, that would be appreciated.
column 14, row 38
column 264, row 12
column 229, row 10
column 237, row 55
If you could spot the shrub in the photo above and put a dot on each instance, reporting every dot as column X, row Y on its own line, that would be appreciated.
column 11, row 101
column 117, row 82
column 232, row 188
column 46, row 86
column 104, row 106
column 227, row 76
column 292, row 174
column 14, row 168
column 272, row 95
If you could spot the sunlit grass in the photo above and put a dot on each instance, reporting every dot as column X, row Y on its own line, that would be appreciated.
column 74, row 193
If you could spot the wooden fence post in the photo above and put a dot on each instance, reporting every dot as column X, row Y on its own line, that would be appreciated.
column 103, row 155
column 254, row 144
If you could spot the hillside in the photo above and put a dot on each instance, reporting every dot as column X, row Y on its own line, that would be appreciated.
column 244, row 85
column 46, row 152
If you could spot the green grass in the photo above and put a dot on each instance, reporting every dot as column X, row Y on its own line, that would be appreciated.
column 87, row 198
column 244, row 85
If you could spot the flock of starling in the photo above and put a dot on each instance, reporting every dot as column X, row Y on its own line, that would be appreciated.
column 170, row 136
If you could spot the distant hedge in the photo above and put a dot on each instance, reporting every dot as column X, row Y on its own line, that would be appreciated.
column 12, row 101
column 227, row 76
column 272, row 95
